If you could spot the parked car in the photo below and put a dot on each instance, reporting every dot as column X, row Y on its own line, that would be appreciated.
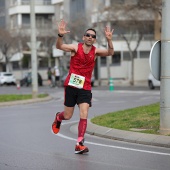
column 152, row 82
column 64, row 77
column 7, row 78
column 27, row 80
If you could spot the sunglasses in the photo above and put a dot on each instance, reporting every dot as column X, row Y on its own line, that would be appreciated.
column 88, row 35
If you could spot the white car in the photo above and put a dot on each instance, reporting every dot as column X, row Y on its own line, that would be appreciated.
column 7, row 78
column 152, row 82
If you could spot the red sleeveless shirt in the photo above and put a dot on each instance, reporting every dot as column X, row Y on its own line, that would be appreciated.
column 83, row 65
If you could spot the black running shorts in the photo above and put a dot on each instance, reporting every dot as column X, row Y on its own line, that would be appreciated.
column 75, row 96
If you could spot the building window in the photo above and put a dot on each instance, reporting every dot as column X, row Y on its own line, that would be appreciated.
column 43, row 62
column 144, row 54
column 77, row 9
column 2, row 22
column 25, row 2
column 116, row 58
column 26, row 61
column 113, row 2
column 44, row 21
column 103, row 61
column 15, row 65
column 25, row 20
column 13, row 2
column 47, row 2
column 126, row 56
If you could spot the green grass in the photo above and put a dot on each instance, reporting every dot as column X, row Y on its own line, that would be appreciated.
column 14, row 97
column 144, row 119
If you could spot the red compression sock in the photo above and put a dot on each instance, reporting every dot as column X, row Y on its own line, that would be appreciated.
column 81, row 129
column 60, row 116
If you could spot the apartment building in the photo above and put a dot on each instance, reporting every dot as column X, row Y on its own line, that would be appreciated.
column 19, row 24
column 97, row 14
column 134, row 35
column 80, row 15
column 74, row 13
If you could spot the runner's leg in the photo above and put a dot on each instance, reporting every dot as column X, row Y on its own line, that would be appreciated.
column 84, row 107
column 65, row 115
column 80, row 148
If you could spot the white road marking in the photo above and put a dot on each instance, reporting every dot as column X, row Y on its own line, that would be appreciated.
column 111, row 146
column 117, row 102
column 116, row 147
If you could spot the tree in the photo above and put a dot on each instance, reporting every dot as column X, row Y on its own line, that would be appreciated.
column 131, row 21
column 8, row 46
column 46, row 46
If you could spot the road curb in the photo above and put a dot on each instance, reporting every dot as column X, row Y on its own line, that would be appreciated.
column 19, row 102
column 128, row 136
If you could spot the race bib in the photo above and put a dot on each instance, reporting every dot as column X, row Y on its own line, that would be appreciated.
column 76, row 80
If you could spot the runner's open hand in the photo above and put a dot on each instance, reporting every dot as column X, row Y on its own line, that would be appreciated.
column 108, row 33
column 61, row 27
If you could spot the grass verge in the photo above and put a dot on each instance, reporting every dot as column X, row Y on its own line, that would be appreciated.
column 144, row 119
column 14, row 97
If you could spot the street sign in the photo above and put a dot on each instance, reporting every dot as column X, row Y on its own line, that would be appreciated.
column 155, row 60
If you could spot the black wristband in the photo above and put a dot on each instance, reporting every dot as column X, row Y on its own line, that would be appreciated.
column 60, row 35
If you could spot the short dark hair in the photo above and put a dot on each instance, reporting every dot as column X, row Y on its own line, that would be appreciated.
column 91, row 30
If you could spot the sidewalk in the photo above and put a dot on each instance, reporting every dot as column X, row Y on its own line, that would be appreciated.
column 128, row 136
column 18, row 102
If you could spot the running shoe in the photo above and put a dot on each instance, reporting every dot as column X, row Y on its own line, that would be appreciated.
column 80, row 148
column 56, row 125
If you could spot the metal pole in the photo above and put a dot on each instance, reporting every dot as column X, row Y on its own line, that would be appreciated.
column 165, row 70
column 33, row 51
column 98, row 70
column 108, row 60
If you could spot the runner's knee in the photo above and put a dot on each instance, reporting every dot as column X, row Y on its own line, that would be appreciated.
column 83, row 114
column 67, row 115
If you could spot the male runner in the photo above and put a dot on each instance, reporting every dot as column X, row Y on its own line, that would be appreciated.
column 78, row 82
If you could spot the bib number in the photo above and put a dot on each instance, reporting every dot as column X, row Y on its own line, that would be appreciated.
column 76, row 81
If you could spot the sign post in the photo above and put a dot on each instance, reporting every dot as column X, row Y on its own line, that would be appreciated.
column 33, row 51
column 165, row 70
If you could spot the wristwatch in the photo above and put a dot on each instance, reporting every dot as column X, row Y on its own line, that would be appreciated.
column 60, row 35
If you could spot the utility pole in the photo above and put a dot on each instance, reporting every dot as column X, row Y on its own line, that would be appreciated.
column 165, row 70
column 33, row 51
column 96, row 16
column 108, row 59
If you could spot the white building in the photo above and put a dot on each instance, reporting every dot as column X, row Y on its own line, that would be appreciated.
column 75, row 12
column 118, row 66
column 19, row 24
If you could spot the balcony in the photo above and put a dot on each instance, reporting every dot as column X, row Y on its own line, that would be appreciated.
column 27, row 2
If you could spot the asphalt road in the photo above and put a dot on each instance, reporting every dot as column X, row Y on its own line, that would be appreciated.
column 26, row 141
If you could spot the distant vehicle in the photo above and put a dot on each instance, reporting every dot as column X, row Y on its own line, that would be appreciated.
column 27, row 80
column 152, row 82
column 7, row 78
column 64, row 77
